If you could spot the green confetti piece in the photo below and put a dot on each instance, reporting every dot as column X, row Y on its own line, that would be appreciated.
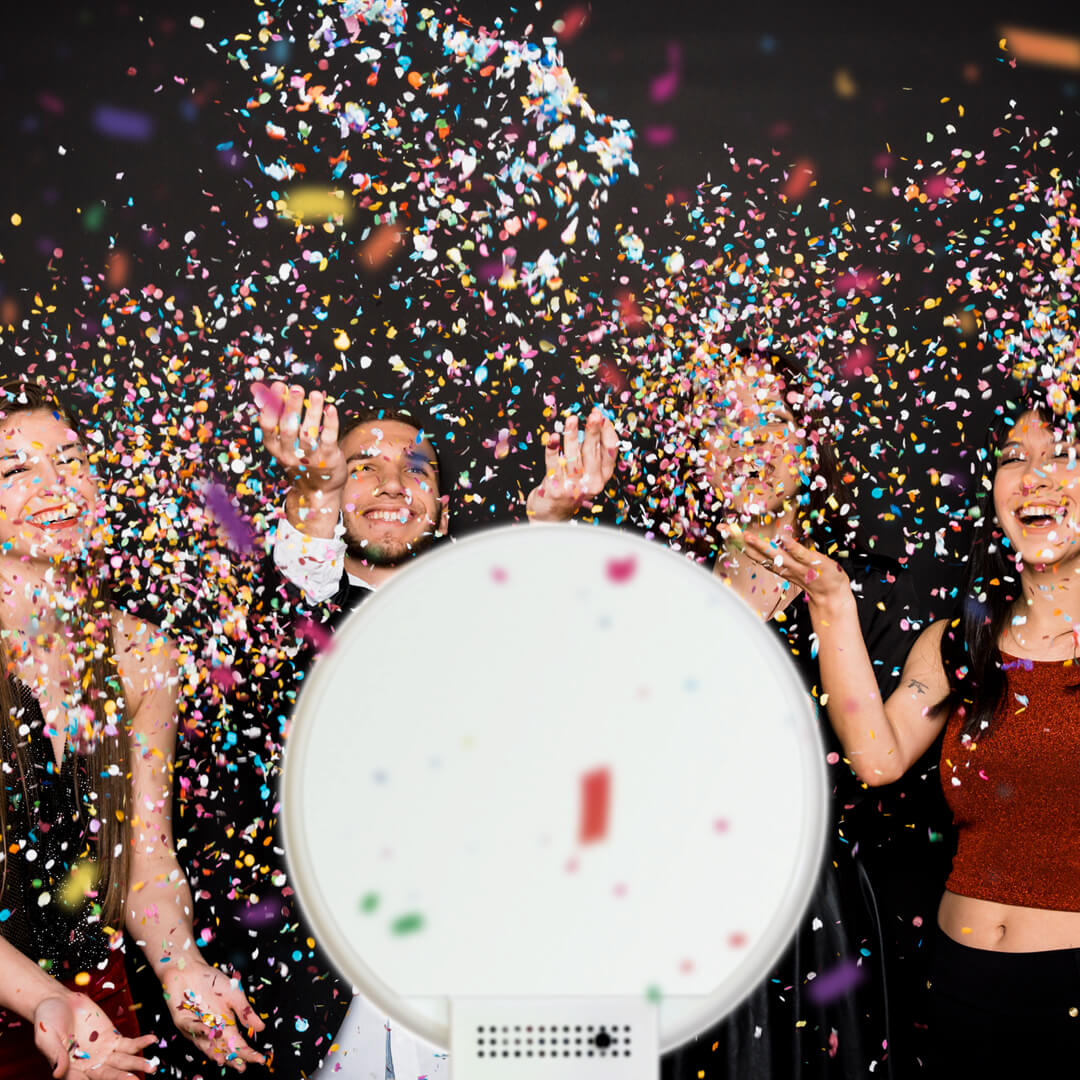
column 407, row 924
column 369, row 902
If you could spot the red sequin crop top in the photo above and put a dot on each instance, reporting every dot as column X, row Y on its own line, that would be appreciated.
column 1015, row 793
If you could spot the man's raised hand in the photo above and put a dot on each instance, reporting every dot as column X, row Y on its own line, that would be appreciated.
column 574, row 471
column 304, row 443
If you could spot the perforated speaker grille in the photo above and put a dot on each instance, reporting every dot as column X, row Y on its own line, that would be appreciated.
column 553, row 1040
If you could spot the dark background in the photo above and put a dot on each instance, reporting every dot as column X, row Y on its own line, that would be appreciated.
column 848, row 92
column 843, row 90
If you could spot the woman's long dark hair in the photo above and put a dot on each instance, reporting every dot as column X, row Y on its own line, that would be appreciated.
column 108, row 761
column 970, row 654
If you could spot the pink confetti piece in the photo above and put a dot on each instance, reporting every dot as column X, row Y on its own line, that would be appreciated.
column 315, row 634
column 265, row 398
column 665, row 85
column 620, row 571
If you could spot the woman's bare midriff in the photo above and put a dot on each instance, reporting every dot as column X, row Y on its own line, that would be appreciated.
column 981, row 924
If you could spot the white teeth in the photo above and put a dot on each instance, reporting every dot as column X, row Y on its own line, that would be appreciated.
column 55, row 516
column 399, row 516
column 1032, row 513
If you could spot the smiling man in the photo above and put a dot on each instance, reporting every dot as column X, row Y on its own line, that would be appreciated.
column 372, row 487
column 364, row 500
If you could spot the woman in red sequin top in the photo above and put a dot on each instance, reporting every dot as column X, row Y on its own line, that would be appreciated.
column 1003, row 678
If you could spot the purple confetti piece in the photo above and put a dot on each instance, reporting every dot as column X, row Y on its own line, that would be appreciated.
column 121, row 123
column 263, row 914
column 660, row 135
column 238, row 533
column 836, row 982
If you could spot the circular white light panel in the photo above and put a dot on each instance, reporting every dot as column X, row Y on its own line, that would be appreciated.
column 554, row 761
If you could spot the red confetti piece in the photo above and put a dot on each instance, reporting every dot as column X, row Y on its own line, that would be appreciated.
column 569, row 26
column 798, row 182
column 595, row 800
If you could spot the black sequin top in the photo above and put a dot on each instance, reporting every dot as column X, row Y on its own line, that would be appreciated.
column 47, row 833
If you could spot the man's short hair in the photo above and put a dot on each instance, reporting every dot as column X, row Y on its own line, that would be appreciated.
column 375, row 415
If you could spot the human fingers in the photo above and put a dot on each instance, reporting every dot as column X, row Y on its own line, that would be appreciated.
column 571, row 446
column 552, row 454
column 55, row 1048
column 240, row 1054
column 329, row 435
column 800, row 552
column 312, row 422
column 102, row 1070
column 271, row 401
column 241, row 1007
column 127, row 1064
column 767, row 552
column 208, row 1040
column 609, row 443
column 289, row 421
column 136, row 1046
column 54, row 1034
column 228, row 1050
column 591, row 451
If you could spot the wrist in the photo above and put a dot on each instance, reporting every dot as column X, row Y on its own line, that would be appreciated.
column 311, row 495
column 312, row 510
column 33, row 999
column 834, row 606
column 543, row 508
column 176, row 970
column 57, row 992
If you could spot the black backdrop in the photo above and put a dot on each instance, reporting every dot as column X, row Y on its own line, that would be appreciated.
column 847, row 91
column 843, row 90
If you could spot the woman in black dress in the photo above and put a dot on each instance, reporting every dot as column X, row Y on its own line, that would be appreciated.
column 87, row 731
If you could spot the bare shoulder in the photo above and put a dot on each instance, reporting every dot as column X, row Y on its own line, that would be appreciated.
column 927, row 647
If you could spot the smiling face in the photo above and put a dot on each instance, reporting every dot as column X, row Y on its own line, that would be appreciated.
column 752, row 445
column 1037, row 492
column 48, row 495
column 391, row 505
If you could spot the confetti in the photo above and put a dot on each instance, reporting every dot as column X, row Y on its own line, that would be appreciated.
column 595, row 805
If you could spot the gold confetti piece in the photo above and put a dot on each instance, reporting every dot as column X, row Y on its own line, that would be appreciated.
column 80, row 881
column 844, row 84
column 312, row 201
